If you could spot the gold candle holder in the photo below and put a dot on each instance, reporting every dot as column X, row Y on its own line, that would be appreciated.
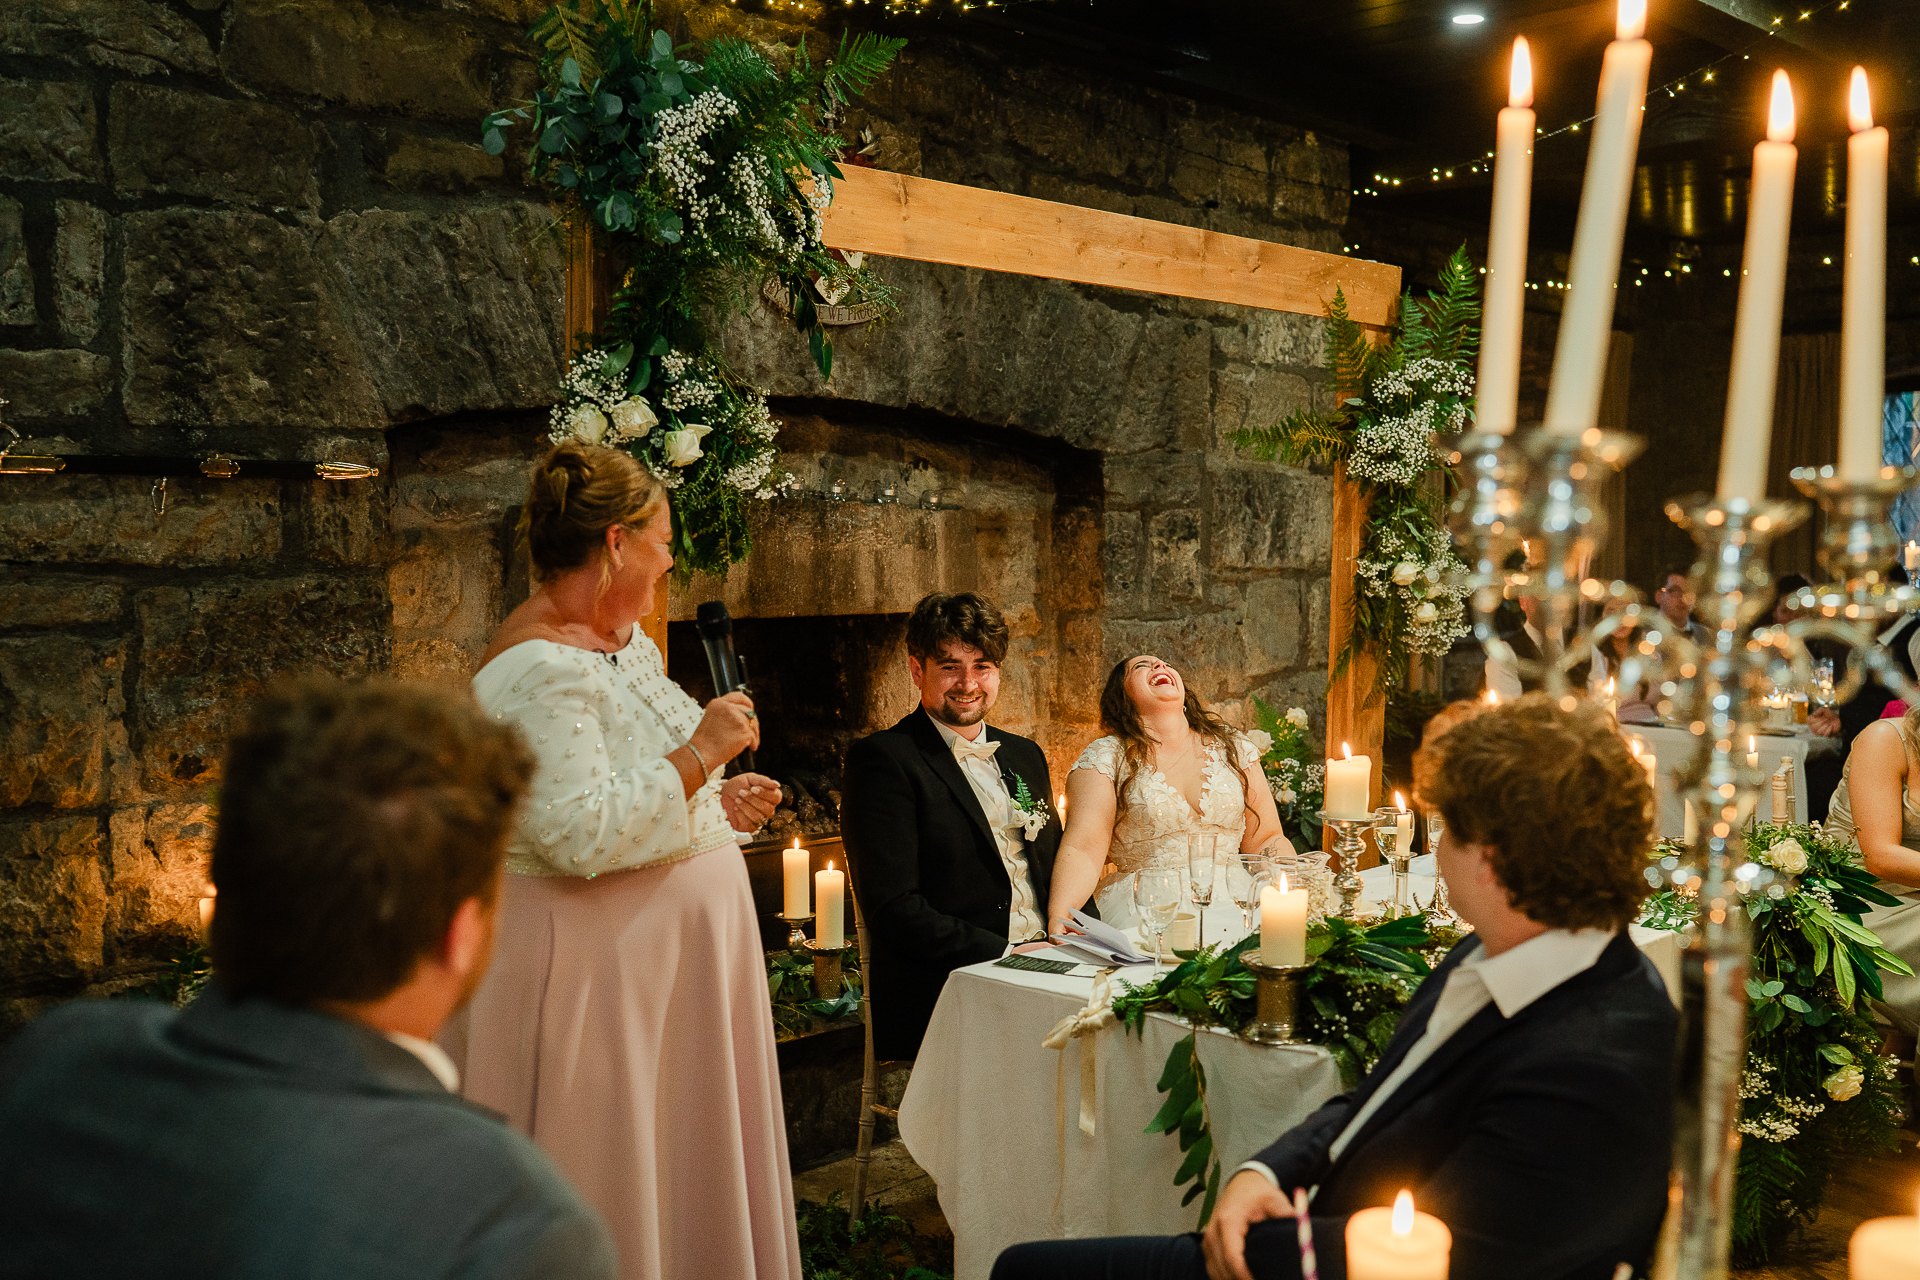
column 1277, row 996
column 826, row 968
column 796, row 932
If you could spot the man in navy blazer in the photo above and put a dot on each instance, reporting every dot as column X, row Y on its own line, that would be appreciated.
column 947, row 868
column 296, row 1121
column 1526, row 1097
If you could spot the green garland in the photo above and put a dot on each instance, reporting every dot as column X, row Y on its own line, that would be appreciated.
column 704, row 177
column 1410, row 591
column 1360, row 981
column 1294, row 772
column 1815, row 1083
column 797, row 1011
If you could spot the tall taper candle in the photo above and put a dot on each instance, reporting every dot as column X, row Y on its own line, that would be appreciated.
column 830, row 907
column 1756, row 324
column 1497, row 390
column 793, row 868
column 1586, row 314
column 1863, row 325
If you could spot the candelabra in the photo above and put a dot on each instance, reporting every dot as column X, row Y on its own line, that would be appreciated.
column 1858, row 543
column 1349, row 846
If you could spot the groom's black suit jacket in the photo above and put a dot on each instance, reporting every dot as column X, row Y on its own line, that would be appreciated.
column 928, row 875
column 1542, row 1141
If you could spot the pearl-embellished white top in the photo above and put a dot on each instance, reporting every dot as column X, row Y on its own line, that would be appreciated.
column 604, row 797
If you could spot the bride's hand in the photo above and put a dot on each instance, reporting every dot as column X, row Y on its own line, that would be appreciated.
column 749, row 799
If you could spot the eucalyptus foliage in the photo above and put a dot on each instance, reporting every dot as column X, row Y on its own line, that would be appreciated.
column 1359, row 982
column 1391, row 402
column 704, row 173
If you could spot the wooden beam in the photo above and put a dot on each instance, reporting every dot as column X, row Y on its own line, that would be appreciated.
column 1354, row 715
column 589, row 294
column 898, row 216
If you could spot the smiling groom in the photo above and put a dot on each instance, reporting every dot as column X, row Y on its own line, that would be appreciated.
column 950, row 835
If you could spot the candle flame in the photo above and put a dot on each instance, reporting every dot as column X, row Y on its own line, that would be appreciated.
column 1610, row 689
column 1859, row 105
column 1399, row 802
column 829, row 864
column 1750, row 746
column 1493, row 698
column 1631, row 22
column 1283, row 882
column 1403, row 1214
column 1349, row 750
column 1780, row 110
column 796, row 842
column 1520, row 81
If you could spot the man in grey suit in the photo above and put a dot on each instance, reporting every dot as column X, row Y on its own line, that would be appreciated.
column 296, row 1120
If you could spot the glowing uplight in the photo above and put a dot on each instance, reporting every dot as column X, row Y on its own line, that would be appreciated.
column 1403, row 1214
column 1631, row 21
column 1469, row 19
column 1780, row 110
column 1520, row 80
column 1859, row 104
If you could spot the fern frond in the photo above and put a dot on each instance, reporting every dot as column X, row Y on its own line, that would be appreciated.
column 1299, row 440
column 1455, row 311
column 566, row 31
column 1353, row 358
column 859, row 62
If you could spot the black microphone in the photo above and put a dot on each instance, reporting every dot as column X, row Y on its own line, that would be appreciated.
column 715, row 625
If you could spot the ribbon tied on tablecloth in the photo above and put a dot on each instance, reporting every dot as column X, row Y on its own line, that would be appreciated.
column 1098, row 1013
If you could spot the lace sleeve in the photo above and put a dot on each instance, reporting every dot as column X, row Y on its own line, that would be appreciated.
column 1103, row 756
column 1248, row 750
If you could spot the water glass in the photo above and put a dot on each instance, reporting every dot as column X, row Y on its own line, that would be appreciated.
column 1157, row 895
column 1247, row 873
column 1201, row 868
column 1820, row 688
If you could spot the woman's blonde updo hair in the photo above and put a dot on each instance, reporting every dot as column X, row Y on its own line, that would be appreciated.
column 576, row 493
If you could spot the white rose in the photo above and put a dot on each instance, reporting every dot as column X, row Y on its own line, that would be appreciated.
column 1262, row 741
column 587, row 424
column 1297, row 716
column 1787, row 856
column 1285, row 795
column 1033, row 824
column 1404, row 573
column 1426, row 613
column 683, row 446
column 1844, row 1083
column 632, row 417
column 1435, row 590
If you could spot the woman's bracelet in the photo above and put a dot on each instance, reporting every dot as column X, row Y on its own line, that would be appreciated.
column 704, row 771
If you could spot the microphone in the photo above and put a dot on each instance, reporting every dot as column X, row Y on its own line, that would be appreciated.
column 715, row 625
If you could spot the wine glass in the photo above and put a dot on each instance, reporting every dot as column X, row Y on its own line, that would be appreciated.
column 1201, row 868
column 1157, row 894
column 1820, row 688
column 1246, row 873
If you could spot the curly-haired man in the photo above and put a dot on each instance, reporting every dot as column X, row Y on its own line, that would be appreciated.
column 1525, row 1099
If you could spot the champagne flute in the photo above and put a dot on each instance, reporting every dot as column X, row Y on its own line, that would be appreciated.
column 1157, row 894
column 1821, row 687
column 1200, row 873
column 1246, row 872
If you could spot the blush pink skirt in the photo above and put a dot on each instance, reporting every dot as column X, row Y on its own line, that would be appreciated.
column 624, row 1026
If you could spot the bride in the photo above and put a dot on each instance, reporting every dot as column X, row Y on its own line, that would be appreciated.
column 1167, row 770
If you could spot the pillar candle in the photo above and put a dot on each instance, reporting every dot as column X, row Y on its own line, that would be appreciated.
column 1885, row 1249
column 1402, row 825
column 1586, row 313
column 1349, row 785
column 793, row 866
column 1913, row 556
column 1497, row 389
column 830, row 907
column 1283, row 924
column 1863, row 325
column 1689, row 824
column 1756, row 324
column 1397, row 1243
column 1753, row 754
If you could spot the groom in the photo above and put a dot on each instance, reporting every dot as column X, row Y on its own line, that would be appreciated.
column 950, row 864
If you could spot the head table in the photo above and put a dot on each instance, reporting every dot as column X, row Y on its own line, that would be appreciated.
column 981, row 1114
column 1674, row 745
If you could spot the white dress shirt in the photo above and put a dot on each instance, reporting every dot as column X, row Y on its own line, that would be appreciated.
column 431, row 1056
column 1009, row 837
column 1511, row 980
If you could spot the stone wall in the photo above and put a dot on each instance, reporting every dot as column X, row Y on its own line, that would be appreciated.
column 262, row 227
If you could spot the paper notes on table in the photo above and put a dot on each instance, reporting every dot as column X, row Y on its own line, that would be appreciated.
column 1100, row 944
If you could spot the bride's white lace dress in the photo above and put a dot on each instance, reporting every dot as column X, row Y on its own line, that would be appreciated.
column 1158, row 820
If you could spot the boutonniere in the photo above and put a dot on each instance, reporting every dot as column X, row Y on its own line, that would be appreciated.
column 1034, row 814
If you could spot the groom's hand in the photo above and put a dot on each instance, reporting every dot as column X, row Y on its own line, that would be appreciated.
column 1248, row 1198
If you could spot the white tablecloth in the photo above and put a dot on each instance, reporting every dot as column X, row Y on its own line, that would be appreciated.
column 979, row 1113
column 1674, row 747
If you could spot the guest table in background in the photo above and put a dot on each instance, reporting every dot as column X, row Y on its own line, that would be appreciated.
column 980, row 1113
column 1674, row 747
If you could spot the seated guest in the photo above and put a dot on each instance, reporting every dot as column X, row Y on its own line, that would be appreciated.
column 947, row 869
column 1877, row 804
column 296, row 1119
column 1167, row 771
column 1526, row 1096
column 1899, row 640
column 1673, row 596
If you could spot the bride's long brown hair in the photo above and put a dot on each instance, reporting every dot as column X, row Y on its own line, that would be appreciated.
column 1119, row 717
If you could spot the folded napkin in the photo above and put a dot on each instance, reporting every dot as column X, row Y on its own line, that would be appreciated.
column 1100, row 944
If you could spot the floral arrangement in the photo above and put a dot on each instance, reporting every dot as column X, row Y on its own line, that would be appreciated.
column 1294, row 771
column 703, row 176
column 1360, row 981
column 1034, row 813
column 797, row 1009
column 1392, row 404
column 1815, row 1082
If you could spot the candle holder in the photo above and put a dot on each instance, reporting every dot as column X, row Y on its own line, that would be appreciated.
column 1440, row 913
column 1491, row 470
column 1348, row 845
column 1276, row 999
column 1857, row 545
column 796, row 931
column 1386, row 837
column 826, row 968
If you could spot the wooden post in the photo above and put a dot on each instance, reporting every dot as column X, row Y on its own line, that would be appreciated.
column 589, row 294
column 1355, row 716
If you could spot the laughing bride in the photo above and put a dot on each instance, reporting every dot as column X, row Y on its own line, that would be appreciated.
column 1167, row 770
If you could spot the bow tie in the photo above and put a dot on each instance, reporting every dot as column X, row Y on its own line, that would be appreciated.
column 978, row 750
